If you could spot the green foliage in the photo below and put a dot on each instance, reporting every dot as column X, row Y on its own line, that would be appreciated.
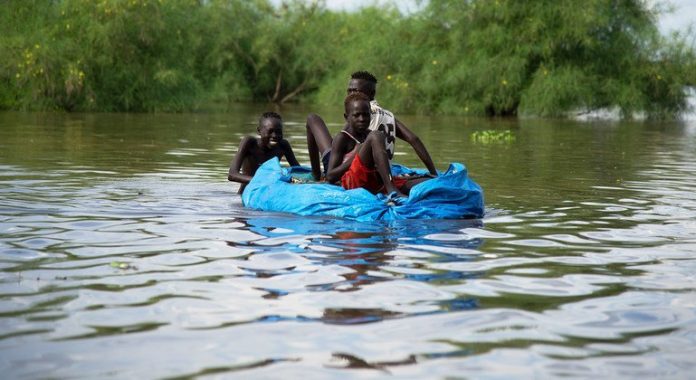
column 137, row 55
column 293, row 54
column 492, row 136
column 546, row 58
column 478, row 57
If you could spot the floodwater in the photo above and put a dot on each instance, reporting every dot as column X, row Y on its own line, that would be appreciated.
column 125, row 253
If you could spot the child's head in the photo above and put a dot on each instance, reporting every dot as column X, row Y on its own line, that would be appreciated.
column 270, row 129
column 364, row 82
column 357, row 111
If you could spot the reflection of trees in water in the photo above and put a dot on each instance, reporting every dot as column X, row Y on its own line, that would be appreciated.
column 352, row 316
column 125, row 143
column 354, row 362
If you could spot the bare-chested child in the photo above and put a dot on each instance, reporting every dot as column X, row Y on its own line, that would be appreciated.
column 319, row 139
column 254, row 151
column 358, row 156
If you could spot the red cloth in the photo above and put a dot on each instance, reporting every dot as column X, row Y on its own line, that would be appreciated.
column 359, row 175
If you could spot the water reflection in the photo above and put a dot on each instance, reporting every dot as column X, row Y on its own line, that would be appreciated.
column 359, row 255
column 124, row 252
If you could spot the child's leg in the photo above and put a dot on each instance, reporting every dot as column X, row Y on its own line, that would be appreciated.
column 318, row 142
column 411, row 182
column 373, row 154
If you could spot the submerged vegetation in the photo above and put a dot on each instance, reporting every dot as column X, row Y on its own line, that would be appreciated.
column 478, row 57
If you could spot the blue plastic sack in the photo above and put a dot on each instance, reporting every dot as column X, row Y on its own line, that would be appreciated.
column 451, row 195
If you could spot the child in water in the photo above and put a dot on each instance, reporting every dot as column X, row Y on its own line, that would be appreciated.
column 254, row 151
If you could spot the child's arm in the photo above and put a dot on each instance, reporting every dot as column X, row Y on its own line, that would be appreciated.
column 405, row 134
column 289, row 154
column 236, row 164
column 339, row 148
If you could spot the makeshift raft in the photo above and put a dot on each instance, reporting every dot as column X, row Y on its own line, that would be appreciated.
column 451, row 195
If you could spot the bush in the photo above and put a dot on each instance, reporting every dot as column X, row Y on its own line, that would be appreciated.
column 478, row 57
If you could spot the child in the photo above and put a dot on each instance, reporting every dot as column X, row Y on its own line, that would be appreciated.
column 319, row 139
column 254, row 151
column 358, row 156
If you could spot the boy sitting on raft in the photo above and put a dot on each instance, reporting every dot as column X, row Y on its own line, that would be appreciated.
column 358, row 156
column 319, row 138
column 254, row 151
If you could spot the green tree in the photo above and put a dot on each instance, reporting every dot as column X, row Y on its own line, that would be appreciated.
column 545, row 57
column 479, row 57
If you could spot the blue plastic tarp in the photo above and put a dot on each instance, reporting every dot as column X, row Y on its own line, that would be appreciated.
column 451, row 195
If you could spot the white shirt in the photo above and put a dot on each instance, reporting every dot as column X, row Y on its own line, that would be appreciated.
column 383, row 120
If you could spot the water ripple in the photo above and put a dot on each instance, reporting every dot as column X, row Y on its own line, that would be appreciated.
column 584, row 265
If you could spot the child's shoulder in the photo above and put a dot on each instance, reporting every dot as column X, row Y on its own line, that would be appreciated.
column 339, row 138
column 342, row 134
column 250, row 140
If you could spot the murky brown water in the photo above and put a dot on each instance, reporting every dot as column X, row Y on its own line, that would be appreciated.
column 125, row 253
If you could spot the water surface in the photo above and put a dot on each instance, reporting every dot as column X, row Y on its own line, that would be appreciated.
column 125, row 253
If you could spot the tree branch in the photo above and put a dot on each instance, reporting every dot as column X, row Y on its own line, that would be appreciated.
column 294, row 92
column 276, row 95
